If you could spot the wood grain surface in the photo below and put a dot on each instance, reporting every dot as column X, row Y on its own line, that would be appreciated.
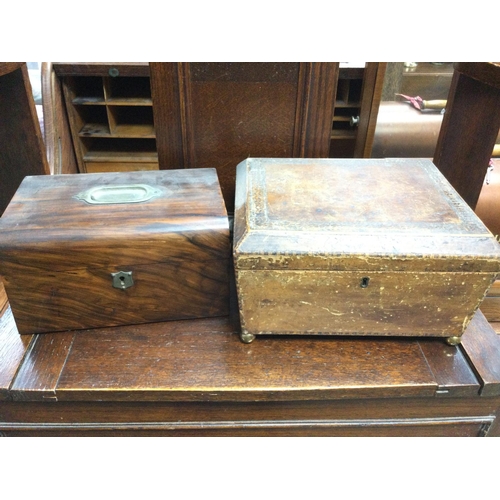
column 57, row 138
column 482, row 350
column 203, row 360
column 12, row 346
column 58, row 276
column 22, row 151
column 101, row 68
column 470, row 127
column 214, row 115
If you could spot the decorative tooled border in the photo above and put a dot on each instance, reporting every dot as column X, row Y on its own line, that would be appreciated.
column 258, row 213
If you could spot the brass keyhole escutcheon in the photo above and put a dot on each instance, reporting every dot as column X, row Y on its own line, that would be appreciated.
column 122, row 279
column 364, row 282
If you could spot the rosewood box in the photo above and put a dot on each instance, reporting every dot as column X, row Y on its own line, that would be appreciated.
column 94, row 250
column 357, row 247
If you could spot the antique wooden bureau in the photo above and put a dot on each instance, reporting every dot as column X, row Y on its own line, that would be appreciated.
column 195, row 378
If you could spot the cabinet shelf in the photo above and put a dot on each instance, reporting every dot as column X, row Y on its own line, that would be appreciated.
column 138, row 101
column 122, row 156
column 347, row 104
column 89, row 101
column 136, row 130
column 124, row 131
column 95, row 130
column 111, row 120
column 114, row 101
column 343, row 134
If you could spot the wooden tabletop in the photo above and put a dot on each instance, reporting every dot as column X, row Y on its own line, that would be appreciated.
column 204, row 360
column 195, row 377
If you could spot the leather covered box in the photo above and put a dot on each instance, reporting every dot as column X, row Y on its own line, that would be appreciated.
column 357, row 247
column 94, row 250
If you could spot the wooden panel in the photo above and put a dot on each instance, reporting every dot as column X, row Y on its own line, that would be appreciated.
column 482, row 346
column 85, row 298
column 12, row 346
column 115, row 234
column 491, row 308
column 217, row 114
column 373, row 81
column 486, row 72
column 22, row 151
column 469, row 129
column 113, row 155
column 57, row 135
column 251, row 112
column 9, row 67
column 95, row 167
column 101, row 68
column 168, row 110
column 38, row 375
column 129, row 414
column 453, row 373
column 317, row 109
column 202, row 363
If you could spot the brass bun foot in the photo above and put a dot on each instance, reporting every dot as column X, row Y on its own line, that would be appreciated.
column 453, row 340
column 247, row 337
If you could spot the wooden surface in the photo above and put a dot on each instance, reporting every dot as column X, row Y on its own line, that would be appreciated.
column 217, row 114
column 22, row 150
column 302, row 248
column 57, row 137
column 211, row 115
column 101, row 68
column 109, row 109
column 12, row 346
column 195, row 378
column 470, row 127
column 58, row 274
column 373, row 81
column 483, row 349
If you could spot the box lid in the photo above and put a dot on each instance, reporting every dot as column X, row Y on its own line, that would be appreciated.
column 69, row 221
column 397, row 214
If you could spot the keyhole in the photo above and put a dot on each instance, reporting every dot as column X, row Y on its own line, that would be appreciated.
column 122, row 279
column 364, row 282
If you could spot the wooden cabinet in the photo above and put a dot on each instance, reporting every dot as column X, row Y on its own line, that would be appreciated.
column 218, row 114
column 110, row 115
column 135, row 116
